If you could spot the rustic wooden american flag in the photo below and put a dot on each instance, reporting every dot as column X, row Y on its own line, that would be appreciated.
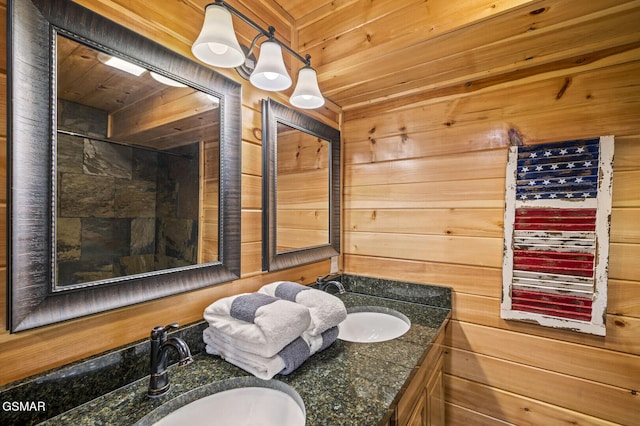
column 557, row 217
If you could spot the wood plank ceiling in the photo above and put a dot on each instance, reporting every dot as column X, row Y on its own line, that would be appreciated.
column 367, row 52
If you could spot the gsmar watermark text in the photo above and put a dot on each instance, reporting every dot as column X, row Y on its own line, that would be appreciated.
column 24, row 406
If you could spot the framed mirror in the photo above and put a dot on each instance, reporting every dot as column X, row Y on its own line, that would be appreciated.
column 301, row 188
column 123, row 180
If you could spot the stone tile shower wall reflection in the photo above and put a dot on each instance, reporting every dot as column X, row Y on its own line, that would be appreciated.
column 177, row 208
column 121, row 210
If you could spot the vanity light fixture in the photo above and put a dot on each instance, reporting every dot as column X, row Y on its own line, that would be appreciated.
column 218, row 45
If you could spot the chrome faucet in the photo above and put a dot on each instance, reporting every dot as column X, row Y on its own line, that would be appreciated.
column 324, row 283
column 160, row 344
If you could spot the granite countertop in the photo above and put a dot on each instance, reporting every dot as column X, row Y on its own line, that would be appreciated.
column 346, row 384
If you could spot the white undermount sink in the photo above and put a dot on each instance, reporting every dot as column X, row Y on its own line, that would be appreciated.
column 370, row 324
column 235, row 402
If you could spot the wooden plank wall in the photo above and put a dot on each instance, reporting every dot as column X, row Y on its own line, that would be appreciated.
column 424, row 191
column 34, row 351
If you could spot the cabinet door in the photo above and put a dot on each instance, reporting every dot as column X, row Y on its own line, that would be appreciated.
column 435, row 396
column 418, row 415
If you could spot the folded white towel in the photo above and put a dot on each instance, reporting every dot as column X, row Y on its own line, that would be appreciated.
column 287, row 360
column 326, row 310
column 258, row 323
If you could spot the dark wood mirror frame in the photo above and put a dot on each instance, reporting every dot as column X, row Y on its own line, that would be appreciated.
column 272, row 114
column 32, row 301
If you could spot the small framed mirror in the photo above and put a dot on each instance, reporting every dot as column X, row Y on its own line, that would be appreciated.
column 301, row 188
column 117, row 192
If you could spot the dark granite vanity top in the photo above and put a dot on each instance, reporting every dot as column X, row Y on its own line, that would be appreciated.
column 346, row 384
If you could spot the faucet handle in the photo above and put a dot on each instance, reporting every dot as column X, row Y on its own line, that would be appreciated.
column 161, row 331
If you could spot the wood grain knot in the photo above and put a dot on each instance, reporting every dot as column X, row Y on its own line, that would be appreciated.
column 619, row 323
column 565, row 86
column 538, row 11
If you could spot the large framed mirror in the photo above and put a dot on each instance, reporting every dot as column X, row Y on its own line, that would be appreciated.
column 301, row 188
column 123, row 178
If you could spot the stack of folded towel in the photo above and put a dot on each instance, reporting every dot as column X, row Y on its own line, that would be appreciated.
column 274, row 330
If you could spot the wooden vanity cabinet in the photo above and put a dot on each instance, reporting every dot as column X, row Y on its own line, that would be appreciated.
column 434, row 396
column 423, row 401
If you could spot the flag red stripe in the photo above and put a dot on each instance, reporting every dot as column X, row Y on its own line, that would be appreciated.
column 558, row 213
column 539, row 261
column 553, row 312
column 560, row 306
column 549, row 263
column 555, row 298
column 554, row 255
column 556, row 270
column 555, row 219
column 555, row 226
column 559, row 220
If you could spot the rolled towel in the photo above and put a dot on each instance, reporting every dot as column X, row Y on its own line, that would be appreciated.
column 258, row 323
column 326, row 310
column 286, row 361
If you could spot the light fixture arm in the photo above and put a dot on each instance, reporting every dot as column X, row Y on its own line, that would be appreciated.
column 254, row 41
column 270, row 33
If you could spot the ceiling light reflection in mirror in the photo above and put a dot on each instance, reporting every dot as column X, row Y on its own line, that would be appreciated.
column 137, row 170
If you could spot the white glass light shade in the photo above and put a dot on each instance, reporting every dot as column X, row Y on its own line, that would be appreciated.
column 307, row 94
column 217, row 44
column 270, row 72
